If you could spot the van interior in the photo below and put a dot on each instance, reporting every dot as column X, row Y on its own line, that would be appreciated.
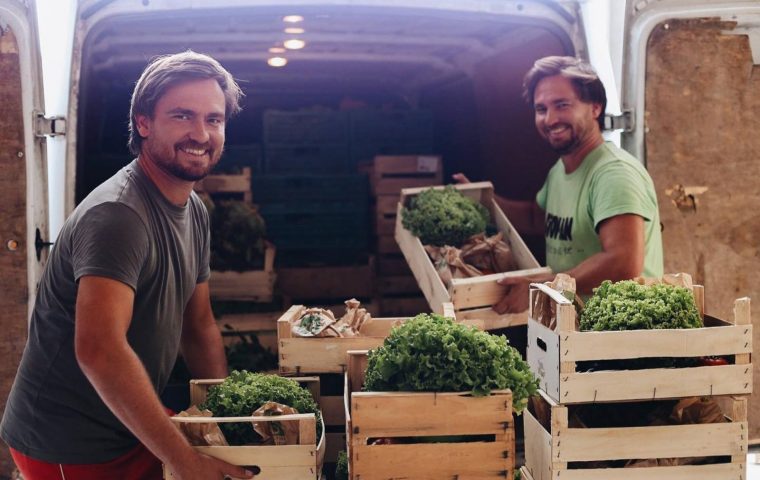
column 372, row 81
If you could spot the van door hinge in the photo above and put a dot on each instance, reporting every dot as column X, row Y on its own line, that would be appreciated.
column 623, row 122
column 49, row 126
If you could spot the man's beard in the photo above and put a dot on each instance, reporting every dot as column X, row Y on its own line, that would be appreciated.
column 169, row 163
column 566, row 146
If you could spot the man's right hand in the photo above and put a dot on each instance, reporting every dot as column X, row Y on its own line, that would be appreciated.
column 203, row 467
column 460, row 178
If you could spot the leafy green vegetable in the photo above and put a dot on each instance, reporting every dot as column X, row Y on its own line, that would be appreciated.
column 238, row 240
column 249, row 354
column 243, row 392
column 431, row 353
column 444, row 217
column 341, row 466
column 628, row 305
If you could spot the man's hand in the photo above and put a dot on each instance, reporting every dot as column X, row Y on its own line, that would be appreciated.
column 517, row 296
column 460, row 178
column 203, row 467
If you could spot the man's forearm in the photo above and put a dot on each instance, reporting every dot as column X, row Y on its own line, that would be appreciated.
column 590, row 273
column 120, row 379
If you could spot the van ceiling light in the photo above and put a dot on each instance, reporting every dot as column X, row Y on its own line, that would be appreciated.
column 294, row 30
column 294, row 44
column 277, row 62
column 292, row 18
column 276, row 50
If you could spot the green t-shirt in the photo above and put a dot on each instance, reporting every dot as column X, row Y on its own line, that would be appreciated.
column 609, row 182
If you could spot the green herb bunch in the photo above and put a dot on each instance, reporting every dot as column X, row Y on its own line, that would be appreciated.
column 244, row 392
column 431, row 353
column 444, row 217
column 238, row 240
column 628, row 305
column 341, row 466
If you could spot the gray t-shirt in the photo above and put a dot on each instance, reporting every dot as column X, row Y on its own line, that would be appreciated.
column 128, row 231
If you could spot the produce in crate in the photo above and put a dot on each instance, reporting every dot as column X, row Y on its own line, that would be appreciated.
column 242, row 393
column 628, row 305
column 432, row 353
column 452, row 227
column 444, row 217
column 320, row 322
column 238, row 242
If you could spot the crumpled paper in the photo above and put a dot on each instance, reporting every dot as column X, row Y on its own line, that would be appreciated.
column 480, row 255
column 201, row 434
column 276, row 433
column 320, row 322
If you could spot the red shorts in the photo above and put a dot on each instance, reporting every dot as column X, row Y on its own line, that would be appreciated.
column 137, row 464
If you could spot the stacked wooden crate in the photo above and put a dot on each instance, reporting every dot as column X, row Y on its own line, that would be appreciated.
column 392, row 435
column 472, row 297
column 253, row 285
column 557, row 450
column 396, row 289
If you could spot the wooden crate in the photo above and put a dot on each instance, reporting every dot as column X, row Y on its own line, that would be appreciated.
column 274, row 462
column 552, row 356
column 307, row 283
column 327, row 355
column 396, row 285
column 253, row 285
column 387, row 243
column 396, row 306
column 227, row 183
column 472, row 297
column 386, row 207
column 391, row 173
column 416, row 414
column 548, row 451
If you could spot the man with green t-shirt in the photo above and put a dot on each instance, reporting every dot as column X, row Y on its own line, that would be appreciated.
column 597, row 209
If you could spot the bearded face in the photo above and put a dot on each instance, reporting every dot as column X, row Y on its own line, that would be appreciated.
column 185, row 136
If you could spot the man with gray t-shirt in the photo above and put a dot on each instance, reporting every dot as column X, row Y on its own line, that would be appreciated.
column 126, row 289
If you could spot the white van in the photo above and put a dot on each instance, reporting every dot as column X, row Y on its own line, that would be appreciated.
column 690, row 94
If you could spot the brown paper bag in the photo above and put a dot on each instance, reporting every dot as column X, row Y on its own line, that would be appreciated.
column 488, row 255
column 201, row 434
column 276, row 433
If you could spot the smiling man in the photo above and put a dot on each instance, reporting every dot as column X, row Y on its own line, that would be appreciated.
column 598, row 208
column 125, row 289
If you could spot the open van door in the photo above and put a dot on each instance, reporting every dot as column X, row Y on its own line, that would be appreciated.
column 23, row 189
column 691, row 80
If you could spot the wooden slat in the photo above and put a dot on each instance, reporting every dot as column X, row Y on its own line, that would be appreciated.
column 387, row 204
column 386, row 243
column 391, row 174
column 538, row 451
column 725, row 471
column 491, row 320
column 422, row 268
column 337, row 282
column 226, row 183
column 671, row 441
column 256, row 285
column 697, row 342
column 483, row 290
column 399, row 414
column 248, row 322
column 396, row 284
column 433, row 461
column 659, row 383
column 320, row 355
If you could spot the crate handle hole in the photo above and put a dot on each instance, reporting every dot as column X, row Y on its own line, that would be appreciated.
column 541, row 344
column 254, row 469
